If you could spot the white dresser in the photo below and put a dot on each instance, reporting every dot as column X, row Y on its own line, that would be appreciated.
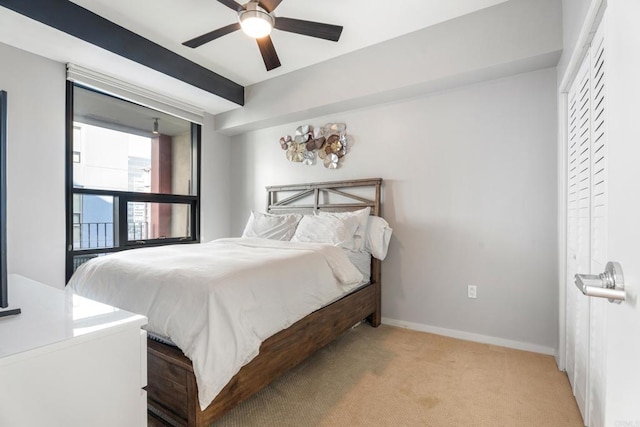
column 70, row 362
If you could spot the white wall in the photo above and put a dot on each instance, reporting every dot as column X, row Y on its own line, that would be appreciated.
column 35, row 170
column 470, row 191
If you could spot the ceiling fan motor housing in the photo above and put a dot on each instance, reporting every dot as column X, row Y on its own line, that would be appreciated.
column 255, row 21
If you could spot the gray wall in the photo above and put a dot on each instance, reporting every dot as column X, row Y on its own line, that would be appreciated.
column 215, row 194
column 35, row 170
column 470, row 191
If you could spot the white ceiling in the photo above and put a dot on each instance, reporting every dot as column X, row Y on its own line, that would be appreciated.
column 169, row 23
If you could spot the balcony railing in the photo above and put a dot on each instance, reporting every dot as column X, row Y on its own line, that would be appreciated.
column 93, row 235
column 88, row 235
column 138, row 230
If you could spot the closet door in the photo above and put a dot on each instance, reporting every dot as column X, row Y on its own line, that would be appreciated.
column 579, row 255
column 613, row 377
column 572, row 296
column 586, row 231
column 599, row 231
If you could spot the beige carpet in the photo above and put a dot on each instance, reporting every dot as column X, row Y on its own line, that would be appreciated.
column 395, row 377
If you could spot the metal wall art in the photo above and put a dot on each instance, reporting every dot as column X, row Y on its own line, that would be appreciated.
column 330, row 143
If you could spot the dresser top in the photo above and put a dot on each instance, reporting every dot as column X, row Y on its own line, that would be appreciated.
column 53, row 317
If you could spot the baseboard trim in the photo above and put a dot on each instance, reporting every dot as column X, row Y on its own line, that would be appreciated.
column 468, row 336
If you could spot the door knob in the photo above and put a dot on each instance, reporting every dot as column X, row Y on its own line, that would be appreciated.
column 609, row 284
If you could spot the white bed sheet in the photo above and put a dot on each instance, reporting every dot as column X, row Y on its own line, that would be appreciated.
column 362, row 261
column 240, row 292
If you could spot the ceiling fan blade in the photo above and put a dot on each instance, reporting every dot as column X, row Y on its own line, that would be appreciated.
column 309, row 28
column 269, row 5
column 206, row 38
column 268, row 52
column 231, row 4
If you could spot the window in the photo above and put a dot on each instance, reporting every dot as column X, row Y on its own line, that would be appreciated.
column 132, row 176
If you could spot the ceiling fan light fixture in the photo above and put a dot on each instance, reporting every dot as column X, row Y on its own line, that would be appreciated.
column 255, row 22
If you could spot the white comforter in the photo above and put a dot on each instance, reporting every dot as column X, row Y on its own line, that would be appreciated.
column 218, row 301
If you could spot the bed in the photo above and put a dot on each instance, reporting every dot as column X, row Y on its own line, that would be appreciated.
column 172, row 391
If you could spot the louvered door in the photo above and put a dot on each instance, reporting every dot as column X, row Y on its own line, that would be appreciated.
column 599, row 258
column 586, row 230
column 572, row 229
column 580, row 254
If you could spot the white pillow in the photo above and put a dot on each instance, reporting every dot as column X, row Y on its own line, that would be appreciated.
column 326, row 229
column 270, row 226
column 377, row 237
column 362, row 216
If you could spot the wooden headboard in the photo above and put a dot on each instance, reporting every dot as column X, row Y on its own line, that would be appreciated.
column 335, row 196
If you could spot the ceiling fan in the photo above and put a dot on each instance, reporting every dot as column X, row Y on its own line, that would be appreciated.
column 256, row 19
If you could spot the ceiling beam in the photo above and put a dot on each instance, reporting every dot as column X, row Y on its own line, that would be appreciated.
column 79, row 22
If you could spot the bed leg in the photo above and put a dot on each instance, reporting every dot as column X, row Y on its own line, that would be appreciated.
column 376, row 317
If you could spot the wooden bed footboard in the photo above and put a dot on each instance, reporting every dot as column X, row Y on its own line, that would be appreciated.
column 172, row 393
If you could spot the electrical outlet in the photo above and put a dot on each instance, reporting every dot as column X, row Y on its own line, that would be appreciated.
column 471, row 291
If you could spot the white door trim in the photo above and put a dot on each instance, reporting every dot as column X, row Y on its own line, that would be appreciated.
column 561, row 355
column 590, row 25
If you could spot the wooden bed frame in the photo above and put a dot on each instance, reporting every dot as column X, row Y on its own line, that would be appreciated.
column 171, row 390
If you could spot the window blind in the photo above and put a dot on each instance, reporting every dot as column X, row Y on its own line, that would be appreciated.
column 121, row 89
